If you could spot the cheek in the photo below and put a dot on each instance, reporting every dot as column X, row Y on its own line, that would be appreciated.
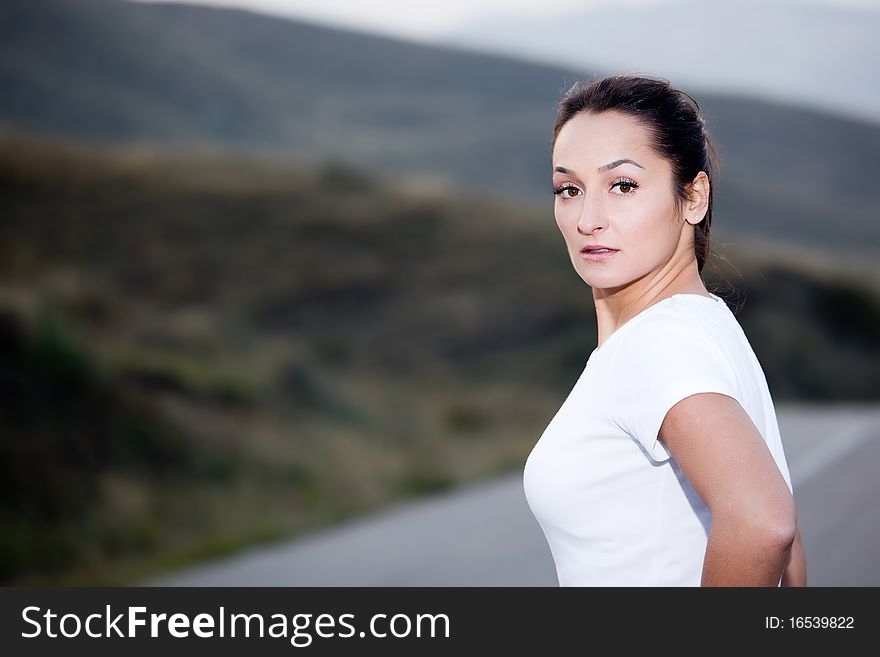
column 565, row 225
column 650, row 221
column 567, row 216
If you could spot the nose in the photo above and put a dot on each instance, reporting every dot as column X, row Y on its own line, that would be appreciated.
column 592, row 217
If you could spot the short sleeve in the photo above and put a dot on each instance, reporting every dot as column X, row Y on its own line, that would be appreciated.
column 657, row 364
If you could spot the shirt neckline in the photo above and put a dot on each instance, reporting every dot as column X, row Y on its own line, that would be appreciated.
column 712, row 297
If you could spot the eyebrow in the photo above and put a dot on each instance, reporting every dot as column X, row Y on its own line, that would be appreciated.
column 604, row 167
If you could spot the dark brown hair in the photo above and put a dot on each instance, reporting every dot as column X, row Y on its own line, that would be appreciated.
column 678, row 132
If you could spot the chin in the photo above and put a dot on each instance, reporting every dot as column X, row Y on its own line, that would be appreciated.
column 605, row 281
column 594, row 275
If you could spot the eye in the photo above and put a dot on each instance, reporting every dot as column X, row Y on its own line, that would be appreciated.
column 560, row 191
column 624, row 184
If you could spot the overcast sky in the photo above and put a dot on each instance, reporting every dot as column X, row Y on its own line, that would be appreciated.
column 429, row 19
column 819, row 54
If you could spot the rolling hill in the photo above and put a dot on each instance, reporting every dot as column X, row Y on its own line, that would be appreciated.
column 181, row 75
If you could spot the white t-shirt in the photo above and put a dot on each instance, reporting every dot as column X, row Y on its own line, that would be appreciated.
column 614, row 506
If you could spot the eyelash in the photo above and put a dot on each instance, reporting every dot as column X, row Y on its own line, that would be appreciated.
column 557, row 191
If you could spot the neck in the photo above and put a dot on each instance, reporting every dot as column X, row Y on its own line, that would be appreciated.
column 615, row 306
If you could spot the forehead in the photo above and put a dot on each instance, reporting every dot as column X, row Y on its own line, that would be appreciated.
column 600, row 138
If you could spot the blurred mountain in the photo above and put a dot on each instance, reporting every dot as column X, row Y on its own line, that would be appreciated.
column 181, row 76
column 795, row 51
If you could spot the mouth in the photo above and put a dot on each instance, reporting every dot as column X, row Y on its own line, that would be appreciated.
column 602, row 253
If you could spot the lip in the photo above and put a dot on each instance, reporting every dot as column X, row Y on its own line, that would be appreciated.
column 598, row 257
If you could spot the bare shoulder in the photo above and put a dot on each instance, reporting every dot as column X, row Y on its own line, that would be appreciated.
column 726, row 460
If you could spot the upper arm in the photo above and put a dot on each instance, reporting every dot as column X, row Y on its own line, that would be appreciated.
column 725, row 459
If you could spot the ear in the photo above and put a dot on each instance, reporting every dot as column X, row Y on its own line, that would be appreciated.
column 698, row 204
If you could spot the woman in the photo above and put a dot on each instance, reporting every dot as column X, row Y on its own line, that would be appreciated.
column 664, row 465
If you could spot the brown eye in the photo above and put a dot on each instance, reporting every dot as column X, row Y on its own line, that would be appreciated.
column 559, row 191
column 626, row 186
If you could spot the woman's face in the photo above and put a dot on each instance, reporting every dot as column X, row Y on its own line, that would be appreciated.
column 628, row 206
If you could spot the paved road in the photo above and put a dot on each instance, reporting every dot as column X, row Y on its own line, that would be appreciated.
column 485, row 535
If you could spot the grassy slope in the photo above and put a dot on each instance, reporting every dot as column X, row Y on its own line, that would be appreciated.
column 194, row 337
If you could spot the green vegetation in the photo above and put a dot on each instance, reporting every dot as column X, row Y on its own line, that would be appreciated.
column 198, row 353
